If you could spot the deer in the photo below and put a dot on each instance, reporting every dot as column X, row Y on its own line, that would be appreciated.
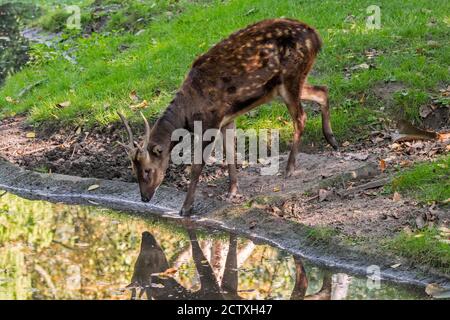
column 268, row 59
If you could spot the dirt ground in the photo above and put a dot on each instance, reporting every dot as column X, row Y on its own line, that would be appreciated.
column 301, row 198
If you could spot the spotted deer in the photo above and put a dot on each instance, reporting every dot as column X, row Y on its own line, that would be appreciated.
column 251, row 67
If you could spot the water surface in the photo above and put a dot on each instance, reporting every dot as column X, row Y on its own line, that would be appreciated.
column 56, row 251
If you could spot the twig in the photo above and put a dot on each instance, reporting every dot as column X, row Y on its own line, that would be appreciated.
column 4, row 192
column 365, row 186
column 36, row 150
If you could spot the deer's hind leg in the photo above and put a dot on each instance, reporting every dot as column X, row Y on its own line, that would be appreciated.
column 228, row 134
column 319, row 94
column 290, row 92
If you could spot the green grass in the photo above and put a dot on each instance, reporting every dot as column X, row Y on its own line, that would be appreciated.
column 427, row 182
column 423, row 248
column 322, row 234
column 156, row 62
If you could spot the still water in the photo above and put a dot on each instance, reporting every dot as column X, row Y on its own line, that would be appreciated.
column 56, row 251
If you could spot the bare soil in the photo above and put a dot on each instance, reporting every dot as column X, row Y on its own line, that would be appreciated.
column 314, row 196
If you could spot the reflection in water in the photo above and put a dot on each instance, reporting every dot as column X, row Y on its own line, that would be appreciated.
column 55, row 251
column 149, row 275
column 13, row 47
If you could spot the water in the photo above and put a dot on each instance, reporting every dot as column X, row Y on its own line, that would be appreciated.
column 55, row 251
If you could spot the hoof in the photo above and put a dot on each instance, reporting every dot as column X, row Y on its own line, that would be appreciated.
column 288, row 173
column 232, row 194
column 332, row 141
column 186, row 212
column 335, row 147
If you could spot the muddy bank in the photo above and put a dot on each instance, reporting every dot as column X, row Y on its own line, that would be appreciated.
column 248, row 221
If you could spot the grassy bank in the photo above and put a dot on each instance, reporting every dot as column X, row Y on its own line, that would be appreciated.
column 97, row 73
column 428, row 181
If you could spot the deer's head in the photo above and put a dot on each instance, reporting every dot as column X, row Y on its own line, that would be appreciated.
column 149, row 161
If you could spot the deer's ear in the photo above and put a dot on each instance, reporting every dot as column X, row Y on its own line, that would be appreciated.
column 157, row 150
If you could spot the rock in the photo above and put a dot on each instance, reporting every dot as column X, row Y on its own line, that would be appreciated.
column 420, row 222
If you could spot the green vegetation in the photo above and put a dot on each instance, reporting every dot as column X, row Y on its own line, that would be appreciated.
column 427, row 182
column 425, row 247
column 321, row 234
column 104, row 68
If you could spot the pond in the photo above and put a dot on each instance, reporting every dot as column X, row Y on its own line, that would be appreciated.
column 57, row 251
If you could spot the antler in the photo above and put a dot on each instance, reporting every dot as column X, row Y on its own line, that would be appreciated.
column 131, row 143
column 147, row 133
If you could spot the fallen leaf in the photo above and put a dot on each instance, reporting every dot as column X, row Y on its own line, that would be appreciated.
column 30, row 135
column 397, row 197
column 394, row 266
column 157, row 285
column 405, row 163
column 425, row 111
column 171, row 271
column 64, row 104
column 362, row 66
column 82, row 244
column 276, row 210
column 93, row 187
column 444, row 136
column 142, row 105
column 10, row 100
column 323, row 194
column 346, row 144
column 443, row 229
column 433, row 44
column 382, row 165
column 165, row 274
column 276, row 189
column 436, row 291
column 134, row 97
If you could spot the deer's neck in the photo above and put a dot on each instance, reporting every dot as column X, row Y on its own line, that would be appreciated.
column 173, row 118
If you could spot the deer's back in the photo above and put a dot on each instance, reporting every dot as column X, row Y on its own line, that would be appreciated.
column 251, row 62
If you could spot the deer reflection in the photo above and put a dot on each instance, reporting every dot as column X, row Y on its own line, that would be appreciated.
column 152, row 262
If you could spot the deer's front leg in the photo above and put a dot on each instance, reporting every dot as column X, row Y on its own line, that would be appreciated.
column 196, row 170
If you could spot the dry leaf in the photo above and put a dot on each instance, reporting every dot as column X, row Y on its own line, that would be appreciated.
column 436, row 291
column 93, row 187
column 64, row 104
column 276, row 189
column 394, row 266
column 444, row 136
column 397, row 197
column 157, row 285
column 10, row 100
column 142, row 105
column 31, row 135
column 134, row 97
column 425, row 111
column 170, row 271
column 382, row 165
column 346, row 144
column 405, row 163
column 323, row 194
